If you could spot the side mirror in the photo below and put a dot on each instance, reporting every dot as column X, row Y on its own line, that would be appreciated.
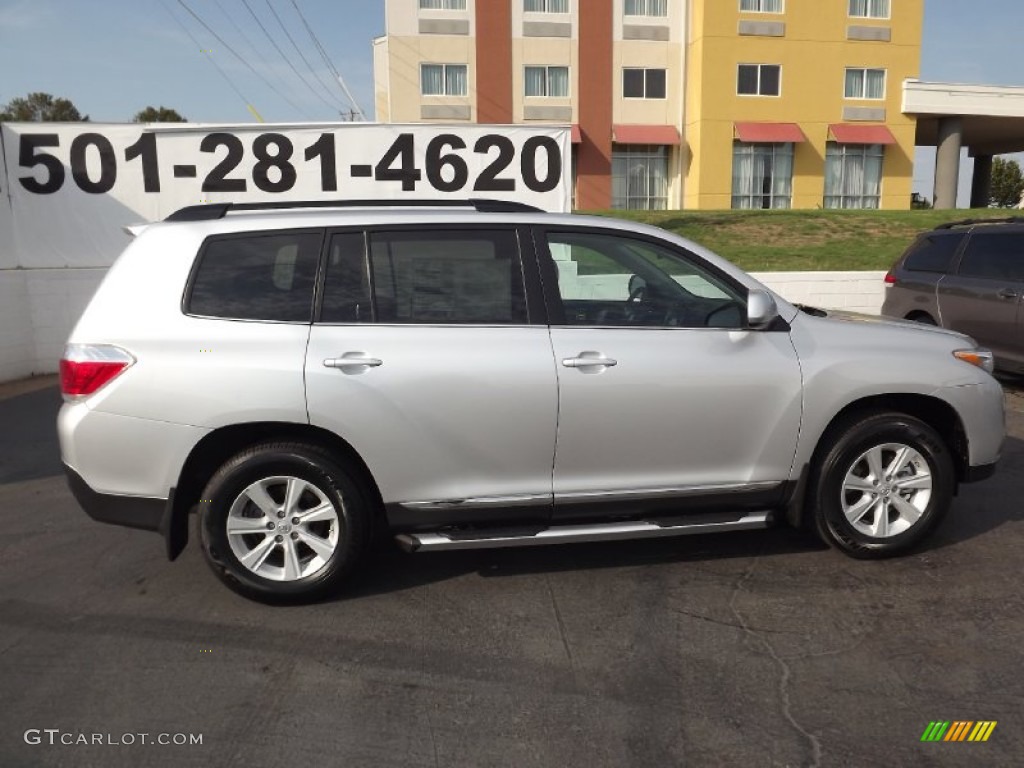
column 761, row 309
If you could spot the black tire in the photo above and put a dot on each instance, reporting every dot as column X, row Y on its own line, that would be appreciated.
column 842, row 448
column 325, row 479
column 922, row 317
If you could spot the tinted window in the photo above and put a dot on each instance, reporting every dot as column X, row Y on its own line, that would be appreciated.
column 469, row 277
column 746, row 80
column 633, row 83
column 257, row 277
column 655, row 84
column 347, row 287
column 933, row 253
column 994, row 255
column 615, row 281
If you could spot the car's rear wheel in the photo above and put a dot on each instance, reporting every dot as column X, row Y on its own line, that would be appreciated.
column 283, row 522
column 883, row 484
column 922, row 317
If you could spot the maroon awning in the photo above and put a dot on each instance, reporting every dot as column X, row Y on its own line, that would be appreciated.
column 645, row 134
column 852, row 133
column 575, row 131
column 770, row 133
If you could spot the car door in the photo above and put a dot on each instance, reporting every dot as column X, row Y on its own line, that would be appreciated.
column 983, row 297
column 424, row 359
column 665, row 400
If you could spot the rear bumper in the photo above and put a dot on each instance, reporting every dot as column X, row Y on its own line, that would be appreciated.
column 132, row 511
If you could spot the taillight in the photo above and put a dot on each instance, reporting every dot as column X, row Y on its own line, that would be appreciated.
column 86, row 368
column 890, row 278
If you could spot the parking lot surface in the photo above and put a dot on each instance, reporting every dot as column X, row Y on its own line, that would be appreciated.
column 760, row 648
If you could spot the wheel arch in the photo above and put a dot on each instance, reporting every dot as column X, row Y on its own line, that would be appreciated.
column 937, row 413
column 207, row 456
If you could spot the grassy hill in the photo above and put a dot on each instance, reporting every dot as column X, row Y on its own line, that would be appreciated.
column 804, row 240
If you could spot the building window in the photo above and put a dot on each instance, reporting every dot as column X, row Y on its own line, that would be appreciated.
column 552, row 82
column 647, row 8
column 640, row 177
column 758, row 80
column 761, row 6
column 546, row 6
column 762, row 175
column 870, row 9
column 442, row 5
column 865, row 83
column 853, row 175
column 643, row 83
column 443, row 80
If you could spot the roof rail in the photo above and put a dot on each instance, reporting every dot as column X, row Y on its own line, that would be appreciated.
column 213, row 211
column 972, row 222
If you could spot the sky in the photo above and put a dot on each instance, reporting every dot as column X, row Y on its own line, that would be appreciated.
column 114, row 57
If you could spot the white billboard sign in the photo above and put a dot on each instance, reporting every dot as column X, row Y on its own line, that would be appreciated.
column 72, row 186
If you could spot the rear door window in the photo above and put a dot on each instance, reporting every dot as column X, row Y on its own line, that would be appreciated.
column 257, row 276
column 933, row 253
column 994, row 256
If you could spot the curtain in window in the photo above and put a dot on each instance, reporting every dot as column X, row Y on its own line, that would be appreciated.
column 872, row 176
column 432, row 80
column 647, row 7
column 546, row 6
column 558, row 82
column 455, row 80
column 782, row 176
column 558, row 6
column 766, row 6
column 880, row 8
column 833, row 176
column 875, row 84
column 443, row 5
column 742, row 176
column 536, row 81
column 858, row 7
column 855, row 83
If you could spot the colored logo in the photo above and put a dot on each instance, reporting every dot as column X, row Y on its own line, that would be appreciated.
column 959, row 730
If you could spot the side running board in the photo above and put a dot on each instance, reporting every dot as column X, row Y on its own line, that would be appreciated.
column 567, row 534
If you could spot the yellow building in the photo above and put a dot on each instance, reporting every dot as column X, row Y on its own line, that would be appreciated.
column 796, row 103
column 676, row 103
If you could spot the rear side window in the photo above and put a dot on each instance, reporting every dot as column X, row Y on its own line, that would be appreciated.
column 933, row 253
column 994, row 255
column 471, row 277
column 257, row 277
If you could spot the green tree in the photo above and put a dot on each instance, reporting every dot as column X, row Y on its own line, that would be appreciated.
column 1007, row 184
column 41, row 107
column 158, row 115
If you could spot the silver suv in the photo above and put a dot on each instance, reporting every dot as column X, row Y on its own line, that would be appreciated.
column 489, row 375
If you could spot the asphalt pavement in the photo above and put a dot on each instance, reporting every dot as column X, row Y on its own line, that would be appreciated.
column 747, row 649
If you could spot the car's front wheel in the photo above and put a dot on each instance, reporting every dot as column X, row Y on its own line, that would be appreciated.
column 883, row 484
column 283, row 522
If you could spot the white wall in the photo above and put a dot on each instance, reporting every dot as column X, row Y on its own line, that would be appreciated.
column 849, row 291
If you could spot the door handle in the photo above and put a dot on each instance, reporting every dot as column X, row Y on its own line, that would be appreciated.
column 589, row 360
column 352, row 360
column 1007, row 293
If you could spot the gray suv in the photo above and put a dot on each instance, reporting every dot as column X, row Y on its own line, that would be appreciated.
column 968, row 276
column 487, row 375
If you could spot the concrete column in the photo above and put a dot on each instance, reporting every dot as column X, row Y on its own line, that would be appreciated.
column 981, row 185
column 947, row 162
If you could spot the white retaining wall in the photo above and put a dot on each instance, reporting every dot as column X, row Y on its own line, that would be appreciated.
column 38, row 307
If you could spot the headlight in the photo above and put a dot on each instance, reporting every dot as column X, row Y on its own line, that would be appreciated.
column 980, row 357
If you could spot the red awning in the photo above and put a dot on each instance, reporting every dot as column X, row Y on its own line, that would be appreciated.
column 575, row 130
column 852, row 133
column 770, row 133
column 645, row 134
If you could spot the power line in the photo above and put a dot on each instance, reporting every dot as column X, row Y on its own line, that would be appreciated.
column 277, row 48
column 234, row 53
column 327, row 60
column 249, row 43
column 209, row 57
column 302, row 56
